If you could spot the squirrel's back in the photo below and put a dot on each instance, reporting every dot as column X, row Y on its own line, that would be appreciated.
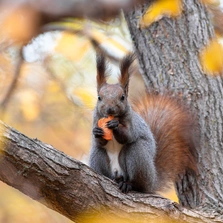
column 174, row 133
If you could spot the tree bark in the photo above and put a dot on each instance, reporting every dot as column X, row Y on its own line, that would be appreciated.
column 74, row 190
column 168, row 53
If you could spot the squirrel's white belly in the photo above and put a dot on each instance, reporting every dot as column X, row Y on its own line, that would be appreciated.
column 113, row 149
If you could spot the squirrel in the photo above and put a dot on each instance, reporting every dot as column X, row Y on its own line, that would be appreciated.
column 153, row 139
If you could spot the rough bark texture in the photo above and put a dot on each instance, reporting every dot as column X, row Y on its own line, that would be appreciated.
column 168, row 53
column 74, row 190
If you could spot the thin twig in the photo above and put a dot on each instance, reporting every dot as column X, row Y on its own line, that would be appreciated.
column 9, row 93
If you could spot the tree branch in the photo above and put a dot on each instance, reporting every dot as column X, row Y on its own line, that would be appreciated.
column 52, row 10
column 12, row 86
column 73, row 189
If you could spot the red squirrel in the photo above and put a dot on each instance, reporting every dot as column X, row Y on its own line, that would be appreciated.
column 153, row 139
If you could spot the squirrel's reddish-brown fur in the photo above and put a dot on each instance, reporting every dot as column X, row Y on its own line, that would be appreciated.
column 174, row 131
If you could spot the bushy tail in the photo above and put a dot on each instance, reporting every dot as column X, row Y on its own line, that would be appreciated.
column 175, row 134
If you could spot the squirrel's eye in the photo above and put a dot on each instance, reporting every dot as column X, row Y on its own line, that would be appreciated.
column 99, row 98
column 123, row 97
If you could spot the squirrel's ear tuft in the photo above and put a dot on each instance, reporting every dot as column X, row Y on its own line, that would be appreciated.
column 124, row 68
column 101, row 70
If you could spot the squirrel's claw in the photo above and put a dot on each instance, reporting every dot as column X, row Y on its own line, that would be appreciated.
column 98, row 132
column 112, row 124
column 125, row 186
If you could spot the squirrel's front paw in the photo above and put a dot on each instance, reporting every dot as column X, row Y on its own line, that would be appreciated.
column 123, row 185
column 98, row 132
column 113, row 124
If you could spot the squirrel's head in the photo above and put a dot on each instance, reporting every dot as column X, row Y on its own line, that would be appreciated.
column 112, row 98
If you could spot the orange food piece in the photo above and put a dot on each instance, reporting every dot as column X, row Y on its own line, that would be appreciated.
column 102, row 124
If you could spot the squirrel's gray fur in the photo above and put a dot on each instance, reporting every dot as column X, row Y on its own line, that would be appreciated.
column 136, row 157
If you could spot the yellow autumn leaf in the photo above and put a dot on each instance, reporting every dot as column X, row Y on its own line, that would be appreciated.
column 159, row 9
column 72, row 46
column 211, row 57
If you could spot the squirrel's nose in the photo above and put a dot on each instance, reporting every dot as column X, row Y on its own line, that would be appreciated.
column 110, row 111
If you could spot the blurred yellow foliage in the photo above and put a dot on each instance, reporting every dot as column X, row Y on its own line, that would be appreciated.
column 159, row 9
column 18, row 24
column 211, row 57
column 104, row 39
column 72, row 46
column 87, row 97
column 106, row 216
column 29, row 104
column 16, row 207
column 53, row 87
column 89, row 31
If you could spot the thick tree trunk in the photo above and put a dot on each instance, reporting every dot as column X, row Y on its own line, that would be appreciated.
column 168, row 53
column 74, row 190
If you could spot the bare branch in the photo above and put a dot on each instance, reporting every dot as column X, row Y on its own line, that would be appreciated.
column 12, row 86
column 52, row 10
column 73, row 189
